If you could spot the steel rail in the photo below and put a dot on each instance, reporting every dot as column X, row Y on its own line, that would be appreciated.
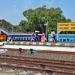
column 40, row 64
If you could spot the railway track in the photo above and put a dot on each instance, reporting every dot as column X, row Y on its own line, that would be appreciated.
column 40, row 64
column 37, row 64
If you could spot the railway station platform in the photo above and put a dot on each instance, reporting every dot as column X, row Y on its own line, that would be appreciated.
column 37, row 47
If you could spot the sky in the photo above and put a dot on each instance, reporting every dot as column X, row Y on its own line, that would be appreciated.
column 12, row 10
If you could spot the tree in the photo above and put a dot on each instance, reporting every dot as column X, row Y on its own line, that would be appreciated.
column 39, row 16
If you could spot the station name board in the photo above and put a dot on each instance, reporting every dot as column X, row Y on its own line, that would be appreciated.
column 66, row 27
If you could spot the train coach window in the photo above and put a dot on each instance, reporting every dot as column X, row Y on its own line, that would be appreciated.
column 21, row 39
column 67, row 40
column 18, row 39
column 60, row 40
column 71, row 40
column 64, row 40
column 14, row 38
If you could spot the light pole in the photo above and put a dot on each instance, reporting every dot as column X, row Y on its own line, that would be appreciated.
column 46, row 24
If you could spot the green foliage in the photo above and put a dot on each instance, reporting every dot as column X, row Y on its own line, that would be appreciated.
column 39, row 16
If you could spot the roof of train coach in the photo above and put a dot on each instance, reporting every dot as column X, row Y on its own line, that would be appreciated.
column 3, row 32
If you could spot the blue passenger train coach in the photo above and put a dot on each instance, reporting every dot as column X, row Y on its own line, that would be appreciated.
column 66, row 38
column 63, row 38
column 25, row 37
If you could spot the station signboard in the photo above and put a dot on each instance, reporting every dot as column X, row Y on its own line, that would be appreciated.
column 65, row 27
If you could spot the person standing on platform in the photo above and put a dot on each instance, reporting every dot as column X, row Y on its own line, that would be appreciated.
column 43, row 38
column 53, row 35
